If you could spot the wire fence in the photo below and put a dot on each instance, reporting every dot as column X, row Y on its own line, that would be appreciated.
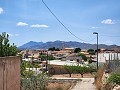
column 113, row 63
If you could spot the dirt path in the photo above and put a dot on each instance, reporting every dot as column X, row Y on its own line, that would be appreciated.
column 85, row 84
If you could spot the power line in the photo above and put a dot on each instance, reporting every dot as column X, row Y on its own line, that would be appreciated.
column 63, row 24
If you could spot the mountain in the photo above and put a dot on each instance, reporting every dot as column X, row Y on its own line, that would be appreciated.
column 63, row 44
column 30, row 45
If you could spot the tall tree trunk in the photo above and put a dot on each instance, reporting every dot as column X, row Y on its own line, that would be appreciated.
column 69, row 74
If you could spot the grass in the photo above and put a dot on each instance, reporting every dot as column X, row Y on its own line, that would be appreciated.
column 98, row 77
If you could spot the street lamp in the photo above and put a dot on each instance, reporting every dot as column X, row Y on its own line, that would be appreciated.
column 97, row 47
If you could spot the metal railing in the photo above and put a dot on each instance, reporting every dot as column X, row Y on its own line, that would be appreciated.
column 113, row 64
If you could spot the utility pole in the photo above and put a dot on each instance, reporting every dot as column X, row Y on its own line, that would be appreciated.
column 97, row 47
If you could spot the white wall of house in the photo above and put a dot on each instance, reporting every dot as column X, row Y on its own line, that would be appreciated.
column 102, row 57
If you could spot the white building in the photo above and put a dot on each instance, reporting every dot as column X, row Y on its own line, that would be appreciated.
column 103, row 57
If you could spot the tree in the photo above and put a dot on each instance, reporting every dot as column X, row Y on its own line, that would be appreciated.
column 44, row 56
column 69, row 69
column 5, row 48
column 83, row 56
column 91, row 51
column 79, row 69
column 57, row 49
column 53, row 49
column 97, row 50
column 50, row 57
column 82, row 69
column 22, row 68
column 77, row 50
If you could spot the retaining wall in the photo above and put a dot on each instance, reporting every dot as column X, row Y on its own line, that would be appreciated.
column 10, row 73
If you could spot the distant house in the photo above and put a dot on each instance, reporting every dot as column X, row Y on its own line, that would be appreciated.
column 32, row 53
column 69, row 50
column 84, row 52
column 74, row 57
column 60, row 54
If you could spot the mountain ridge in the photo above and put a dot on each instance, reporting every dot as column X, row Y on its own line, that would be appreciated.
column 63, row 44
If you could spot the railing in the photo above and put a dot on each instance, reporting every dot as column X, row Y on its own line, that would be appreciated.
column 113, row 64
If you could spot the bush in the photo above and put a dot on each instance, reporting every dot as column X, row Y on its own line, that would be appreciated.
column 83, row 56
column 98, row 77
column 114, row 78
column 38, row 82
column 5, row 48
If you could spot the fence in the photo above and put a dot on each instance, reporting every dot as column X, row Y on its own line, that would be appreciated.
column 113, row 63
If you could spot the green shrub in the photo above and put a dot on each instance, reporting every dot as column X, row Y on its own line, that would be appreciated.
column 114, row 78
column 5, row 48
column 83, row 56
column 38, row 82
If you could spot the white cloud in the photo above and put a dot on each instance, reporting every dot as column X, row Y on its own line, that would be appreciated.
column 107, row 21
column 1, row 10
column 39, row 26
column 21, row 24
column 94, row 27
column 16, row 34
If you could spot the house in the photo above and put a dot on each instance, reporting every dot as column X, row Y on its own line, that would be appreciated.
column 75, row 57
column 69, row 50
column 32, row 53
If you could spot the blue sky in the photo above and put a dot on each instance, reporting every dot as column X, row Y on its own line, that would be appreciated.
column 30, row 20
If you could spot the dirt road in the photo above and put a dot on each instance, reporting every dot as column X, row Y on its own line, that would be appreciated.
column 85, row 84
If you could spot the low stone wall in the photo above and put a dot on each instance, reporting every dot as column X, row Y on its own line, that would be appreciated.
column 64, row 80
column 10, row 73
column 57, row 69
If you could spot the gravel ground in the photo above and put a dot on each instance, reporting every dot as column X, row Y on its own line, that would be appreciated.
column 85, row 84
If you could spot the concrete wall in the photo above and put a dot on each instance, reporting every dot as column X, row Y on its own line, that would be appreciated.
column 57, row 69
column 9, row 73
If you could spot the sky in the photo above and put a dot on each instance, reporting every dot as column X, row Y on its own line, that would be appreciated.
column 30, row 20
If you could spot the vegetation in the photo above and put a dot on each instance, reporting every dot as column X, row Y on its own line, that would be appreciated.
column 69, row 69
column 77, row 50
column 83, row 56
column 82, row 69
column 22, row 68
column 38, row 82
column 53, row 49
column 50, row 57
column 44, row 56
column 5, row 48
column 91, row 51
column 28, row 73
column 79, row 69
column 97, row 50
column 30, row 80
column 114, row 78
column 98, row 77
